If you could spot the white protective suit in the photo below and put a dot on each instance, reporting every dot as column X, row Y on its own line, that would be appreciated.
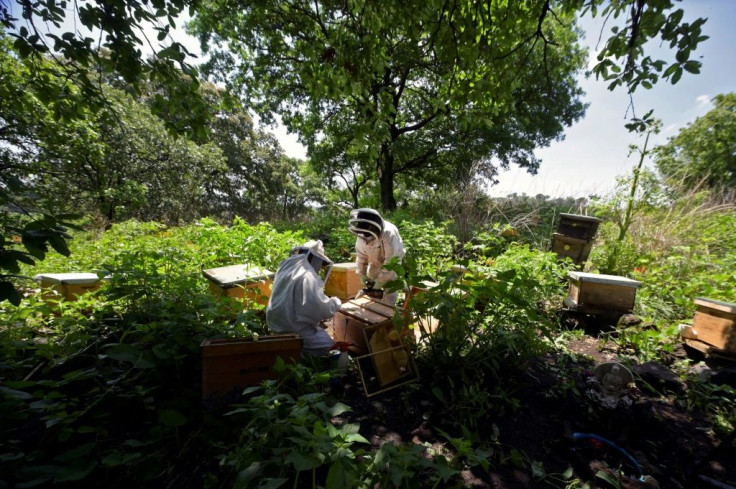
column 371, row 257
column 298, row 304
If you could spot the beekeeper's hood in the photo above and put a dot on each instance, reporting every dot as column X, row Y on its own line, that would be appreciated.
column 366, row 224
column 316, row 257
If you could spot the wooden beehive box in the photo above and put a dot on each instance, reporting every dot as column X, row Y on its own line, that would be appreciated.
column 575, row 248
column 577, row 226
column 714, row 323
column 343, row 281
column 596, row 293
column 357, row 314
column 67, row 285
column 245, row 282
column 235, row 363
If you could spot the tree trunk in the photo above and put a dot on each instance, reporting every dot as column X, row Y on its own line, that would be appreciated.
column 386, row 178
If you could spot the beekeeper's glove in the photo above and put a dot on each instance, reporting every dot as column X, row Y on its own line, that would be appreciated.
column 363, row 281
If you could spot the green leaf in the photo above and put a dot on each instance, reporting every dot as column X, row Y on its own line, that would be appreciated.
column 692, row 67
column 59, row 244
column 677, row 75
column 10, row 293
column 607, row 477
column 250, row 472
column 170, row 417
column 338, row 476
column 75, row 453
column 302, row 462
column 337, row 409
column 272, row 483
column 69, row 474
column 115, row 459
column 15, row 394
column 128, row 353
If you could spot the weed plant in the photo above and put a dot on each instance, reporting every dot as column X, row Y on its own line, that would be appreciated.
column 492, row 322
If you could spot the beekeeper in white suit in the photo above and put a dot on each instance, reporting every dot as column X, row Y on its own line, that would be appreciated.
column 378, row 242
column 298, row 303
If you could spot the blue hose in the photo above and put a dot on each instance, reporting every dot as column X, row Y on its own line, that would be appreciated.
column 585, row 436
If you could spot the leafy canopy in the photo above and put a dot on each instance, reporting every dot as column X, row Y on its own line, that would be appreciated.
column 704, row 152
column 433, row 90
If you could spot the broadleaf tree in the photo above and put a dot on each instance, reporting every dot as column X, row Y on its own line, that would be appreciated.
column 428, row 88
column 28, row 229
column 704, row 152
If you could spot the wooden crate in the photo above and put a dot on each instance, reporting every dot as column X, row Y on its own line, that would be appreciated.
column 577, row 226
column 577, row 249
column 344, row 281
column 244, row 282
column 600, row 294
column 236, row 363
column 390, row 357
column 714, row 323
column 67, row 285
column 356, row 315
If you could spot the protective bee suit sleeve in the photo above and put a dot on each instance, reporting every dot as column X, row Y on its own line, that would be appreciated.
column 371, row 257
column 298, row 304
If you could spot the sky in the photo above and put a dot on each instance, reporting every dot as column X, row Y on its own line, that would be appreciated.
column 595, row 150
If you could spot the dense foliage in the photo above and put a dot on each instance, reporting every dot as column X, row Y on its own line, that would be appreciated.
column 703, row 154
column 68, row 367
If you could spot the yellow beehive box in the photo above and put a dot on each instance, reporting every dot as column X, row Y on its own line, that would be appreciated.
column 67, row 285
column 245, row 281
column 343, row 281
column 714, row 323
column 597, row 293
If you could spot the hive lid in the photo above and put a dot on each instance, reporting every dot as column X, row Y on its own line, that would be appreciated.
column 578, row 217
column 603, row 279
column 345, row 266
column 68, row 278
column 714, row 304
column 237, row 274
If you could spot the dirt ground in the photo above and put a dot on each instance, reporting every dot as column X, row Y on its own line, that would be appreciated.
column 673, row 447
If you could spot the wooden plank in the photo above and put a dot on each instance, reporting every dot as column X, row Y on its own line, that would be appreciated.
column 585, row 277
column 233, row 275
column 357, row 310
column 710, row 350
column 231, row 363
column 382, row 308
column 721, row 306
column 715, row 328
column 606, row 297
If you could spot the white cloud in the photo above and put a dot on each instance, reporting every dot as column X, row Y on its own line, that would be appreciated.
column 702, row 100
column 669, row 129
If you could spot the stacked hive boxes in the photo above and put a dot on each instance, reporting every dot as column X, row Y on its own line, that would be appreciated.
column 574, row 237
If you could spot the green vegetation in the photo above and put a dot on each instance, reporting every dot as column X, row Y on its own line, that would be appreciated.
column 106, row 389
column 410, row 107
